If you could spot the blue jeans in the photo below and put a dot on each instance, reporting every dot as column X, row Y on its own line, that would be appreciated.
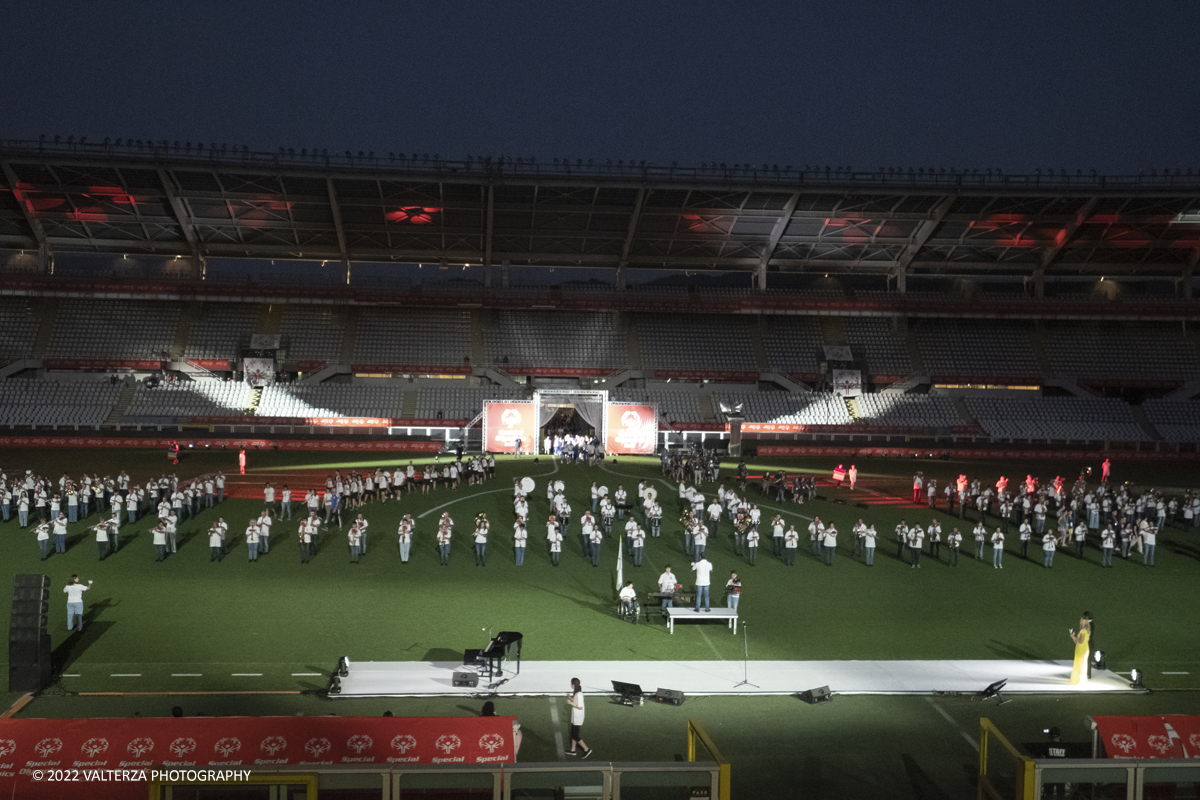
column 1148, row 554
column 72, row 513
column 208, row 499
column 520, row 551
column 286, row 508
column 405, row 548
column 1106, row 557
column 444, row 553
column 701, row 592
column 870, row 556
column 594, row 547
column 132, row 514
column 264, row 544
column 997, row 556
column 220, row 494
column 160, row 552
column 44, row 546
column 60, row 543
column 698, row 552
column 829, row 551
column 1048, row 561
column 979, row 549
column 731, row 600
column 23, row 517
column 355, row 550
column 253, row 548
column 637, row 556
column 689, row 545
column 74, row 615
column 481, row 553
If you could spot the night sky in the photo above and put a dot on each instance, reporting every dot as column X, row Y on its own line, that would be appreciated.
column 1112, row 86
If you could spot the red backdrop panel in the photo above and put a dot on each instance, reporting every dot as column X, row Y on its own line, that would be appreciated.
column 507, row 422
column 630, row 430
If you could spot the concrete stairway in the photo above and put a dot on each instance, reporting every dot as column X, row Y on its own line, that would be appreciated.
column 47, row 311
column 479, row 322
column 408, row 405
column 348, row 322
column 1037, row 339
column 191, row 313
column 633, row 342
column 758, row 338
column 124, row 401
column 833, row 331
column 707, row 412
column 1139, row 414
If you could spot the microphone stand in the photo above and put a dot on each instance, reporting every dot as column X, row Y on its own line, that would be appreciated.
column 745, row 681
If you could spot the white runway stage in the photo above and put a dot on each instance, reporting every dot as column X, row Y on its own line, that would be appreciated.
column 401, row 678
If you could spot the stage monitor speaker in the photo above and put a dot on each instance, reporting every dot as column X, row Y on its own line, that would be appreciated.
column 669, row 696
column 463, row 677
column 819, row 695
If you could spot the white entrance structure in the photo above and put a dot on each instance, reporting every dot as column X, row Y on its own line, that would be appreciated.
column 561, row 398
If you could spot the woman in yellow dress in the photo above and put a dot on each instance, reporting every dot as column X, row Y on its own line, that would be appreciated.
column 1079, row 670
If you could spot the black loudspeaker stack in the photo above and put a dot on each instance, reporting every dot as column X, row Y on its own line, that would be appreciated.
column 28, row 641
column 463, row 677
column 669, row 696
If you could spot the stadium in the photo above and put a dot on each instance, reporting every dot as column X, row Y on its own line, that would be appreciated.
column 168, row 308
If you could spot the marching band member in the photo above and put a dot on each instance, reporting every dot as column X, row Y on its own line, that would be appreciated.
column 520, row 538
column 791, row 543
column 445, row 530
column 555, row 538
column 481, row 536
column 752, row 538
column 997, row 549
column 405, row 534
column 954, row 542
column 354, row 537
column 869, row 537
column 637, row 540
column 160, row 542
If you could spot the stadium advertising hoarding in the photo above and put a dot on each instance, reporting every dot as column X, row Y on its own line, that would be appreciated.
column 115, row 758
column 630, row 429
column 505, row 423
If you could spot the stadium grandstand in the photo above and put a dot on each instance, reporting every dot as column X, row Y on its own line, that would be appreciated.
column 975, row 307
column 294, row 318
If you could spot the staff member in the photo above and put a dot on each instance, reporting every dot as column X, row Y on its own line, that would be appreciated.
column 575, row 700
column 703, row 569
column 74, row 591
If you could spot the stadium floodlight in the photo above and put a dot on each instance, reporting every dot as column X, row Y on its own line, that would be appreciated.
column 1098, row 659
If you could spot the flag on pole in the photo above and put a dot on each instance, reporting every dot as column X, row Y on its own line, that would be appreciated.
column 620, row 564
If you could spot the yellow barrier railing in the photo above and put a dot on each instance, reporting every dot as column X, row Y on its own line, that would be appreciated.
column 1023, row 772
column 697, row 731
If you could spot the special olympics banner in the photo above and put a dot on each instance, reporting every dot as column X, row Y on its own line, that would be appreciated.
column 37, row 756
column 504, row 423
column 259, row 371
column 847, row 382
column 1167, row 736
column 630, row 429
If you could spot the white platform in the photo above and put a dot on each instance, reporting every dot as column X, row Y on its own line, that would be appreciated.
column 675, row 614
column 414, row 678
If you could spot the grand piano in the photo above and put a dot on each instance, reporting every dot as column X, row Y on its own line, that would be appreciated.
column 504, row 645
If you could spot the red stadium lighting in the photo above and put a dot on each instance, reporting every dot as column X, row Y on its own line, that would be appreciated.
column 417, row 215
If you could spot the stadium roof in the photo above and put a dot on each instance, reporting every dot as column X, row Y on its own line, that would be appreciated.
column 169, row 200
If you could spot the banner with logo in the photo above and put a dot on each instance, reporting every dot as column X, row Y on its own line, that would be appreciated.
column 847, row 382
column 259, row 372
column 1166, row 736
column 505, row 423
column 630, row 429
column 56, row 758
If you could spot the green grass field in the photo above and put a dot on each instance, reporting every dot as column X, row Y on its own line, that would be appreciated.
column 188, row 624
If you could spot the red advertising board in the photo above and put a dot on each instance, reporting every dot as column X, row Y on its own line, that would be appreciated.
column 630, row 429
column 160, row 443
column 505, row 423
column 115, row 758
column 1166, row 736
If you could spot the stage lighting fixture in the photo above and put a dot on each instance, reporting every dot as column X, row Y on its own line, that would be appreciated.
column 335, row 685
column 343, row 667
column 1098, row 659
column 1135, row 678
